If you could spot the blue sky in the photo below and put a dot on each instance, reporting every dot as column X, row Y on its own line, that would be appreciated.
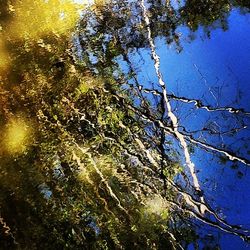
column 224, row 62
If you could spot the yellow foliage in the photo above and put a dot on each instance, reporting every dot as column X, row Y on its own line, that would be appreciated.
column 35, row 18
column 16, row 136
column 99, row 2
column 156, row 205
column 4, row 58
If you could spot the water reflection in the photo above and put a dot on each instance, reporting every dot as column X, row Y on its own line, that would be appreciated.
column 16, row 136
column 135, row 118
column 54, row 16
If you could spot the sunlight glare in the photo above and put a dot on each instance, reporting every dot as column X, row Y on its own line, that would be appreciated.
column 16, row 136
column 33, row 19
column 156, row 205
column 88, row 2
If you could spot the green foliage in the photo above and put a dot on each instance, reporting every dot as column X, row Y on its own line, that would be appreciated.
column 65, row 181
column 205, row 14
column 74, row 165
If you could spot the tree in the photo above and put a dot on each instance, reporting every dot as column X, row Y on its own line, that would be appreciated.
column 154, row 113
column 68, row 177
column 209, row 14
column 86, row 162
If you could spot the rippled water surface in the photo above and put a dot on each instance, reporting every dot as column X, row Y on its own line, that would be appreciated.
column 124, row 124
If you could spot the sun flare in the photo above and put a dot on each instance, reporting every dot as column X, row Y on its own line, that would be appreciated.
column 17, row 136
column 33, row 19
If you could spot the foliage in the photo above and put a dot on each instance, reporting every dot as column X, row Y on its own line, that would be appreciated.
column 66, row 180
column 83, row 163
